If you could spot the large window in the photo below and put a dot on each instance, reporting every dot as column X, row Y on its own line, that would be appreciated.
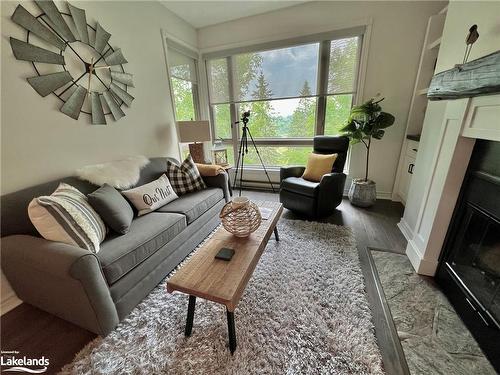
column 293, row 93
column 184, row 83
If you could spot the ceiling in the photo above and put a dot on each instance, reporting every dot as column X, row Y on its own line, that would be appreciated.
column 205, row 13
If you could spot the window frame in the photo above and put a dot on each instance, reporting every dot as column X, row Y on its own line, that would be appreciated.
column 324, row 40
column 195, row 86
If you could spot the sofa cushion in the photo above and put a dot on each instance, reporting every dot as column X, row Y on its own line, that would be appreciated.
column 149, row 197
column 318, row 165
column 112, row 207
column 119, row 254
column 300, row 186
column 185, row 178
column 66, row 216
column 193, row 205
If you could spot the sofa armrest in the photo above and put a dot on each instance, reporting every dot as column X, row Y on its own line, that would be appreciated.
column 331, row 191
column 62, row 279
column 296, row 171
column 220, row 181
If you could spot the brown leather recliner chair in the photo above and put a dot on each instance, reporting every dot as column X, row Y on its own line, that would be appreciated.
column 316, row 199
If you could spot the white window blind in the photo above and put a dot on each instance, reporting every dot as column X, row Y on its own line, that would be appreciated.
column 182, row 66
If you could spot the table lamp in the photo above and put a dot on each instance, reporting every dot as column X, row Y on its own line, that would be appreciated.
column 197, row 132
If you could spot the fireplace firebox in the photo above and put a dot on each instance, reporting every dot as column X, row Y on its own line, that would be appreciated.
column 469, row 270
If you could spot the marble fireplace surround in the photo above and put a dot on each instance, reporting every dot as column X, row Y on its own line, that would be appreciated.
column 450, row 131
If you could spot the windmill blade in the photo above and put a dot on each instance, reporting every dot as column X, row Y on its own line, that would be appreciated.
column 121, row 94
column 29, row 22
column 80, row 21
column 98, row 117
column 113, row 106
column 124, row 78
column 28, row 52
column 50, row 9
column 48, row 83
column 74, row 104
column 116, row 58
column 101, row 38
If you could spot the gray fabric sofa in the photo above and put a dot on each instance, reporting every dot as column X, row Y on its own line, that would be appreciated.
column 96, row 291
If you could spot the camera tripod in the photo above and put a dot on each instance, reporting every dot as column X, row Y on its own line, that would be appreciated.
column 243, row 150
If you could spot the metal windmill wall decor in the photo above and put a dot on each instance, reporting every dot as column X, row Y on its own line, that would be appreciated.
column 83, row 51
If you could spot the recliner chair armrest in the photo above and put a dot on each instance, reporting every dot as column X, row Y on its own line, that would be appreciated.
column 332, row 178
column 62, row 279
column 295, row 171
column 331, row 192
column 220, row 181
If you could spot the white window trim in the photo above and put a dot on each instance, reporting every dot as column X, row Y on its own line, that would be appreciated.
column 201, row 95
column 362, row 29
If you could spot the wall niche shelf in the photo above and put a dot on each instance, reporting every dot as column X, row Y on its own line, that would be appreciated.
column 427, row 64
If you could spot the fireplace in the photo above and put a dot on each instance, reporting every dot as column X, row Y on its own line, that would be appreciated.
column 469, row 268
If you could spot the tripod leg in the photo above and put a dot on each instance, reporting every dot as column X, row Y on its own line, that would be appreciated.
column 244, row 143
column 261, row 162
column 240, row 153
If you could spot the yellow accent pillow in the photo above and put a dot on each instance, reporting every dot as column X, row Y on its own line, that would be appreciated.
column 318, row 165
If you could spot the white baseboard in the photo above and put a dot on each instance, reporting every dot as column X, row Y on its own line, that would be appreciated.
column 422, row 266
column 380, row 194
column 387, row 195
column 405, row 229
column 9, row 302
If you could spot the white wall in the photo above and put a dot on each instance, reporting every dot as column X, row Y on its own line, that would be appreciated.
column 397, row 34
column 39, row 143
column 462, row 15
column 420, row 212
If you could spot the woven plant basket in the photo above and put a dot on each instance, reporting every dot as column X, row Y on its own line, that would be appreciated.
column 240, row 219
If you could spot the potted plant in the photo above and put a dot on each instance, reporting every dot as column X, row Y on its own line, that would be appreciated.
column 366, row 121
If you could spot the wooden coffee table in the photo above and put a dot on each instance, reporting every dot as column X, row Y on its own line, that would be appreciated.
column 224, row 281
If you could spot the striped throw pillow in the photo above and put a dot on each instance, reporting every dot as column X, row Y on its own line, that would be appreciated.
column 185, row 178
column 66, row 216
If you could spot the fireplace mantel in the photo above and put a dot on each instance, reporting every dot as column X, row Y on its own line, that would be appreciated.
column 450, row 130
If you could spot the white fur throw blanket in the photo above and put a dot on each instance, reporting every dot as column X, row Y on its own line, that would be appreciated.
column 121, row 174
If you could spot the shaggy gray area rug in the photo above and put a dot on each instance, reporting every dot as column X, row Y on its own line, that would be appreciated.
column 304, row 311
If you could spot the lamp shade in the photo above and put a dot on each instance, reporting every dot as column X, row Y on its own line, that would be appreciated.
column 194, row 131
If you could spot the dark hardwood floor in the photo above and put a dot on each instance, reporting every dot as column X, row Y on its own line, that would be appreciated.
column 33, row 332
column 373, row 227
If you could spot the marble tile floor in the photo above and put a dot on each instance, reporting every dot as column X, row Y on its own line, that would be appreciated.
column 434, row 339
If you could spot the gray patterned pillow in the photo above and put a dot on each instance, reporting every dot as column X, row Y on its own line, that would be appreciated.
column 66, row 216
column 185, row 178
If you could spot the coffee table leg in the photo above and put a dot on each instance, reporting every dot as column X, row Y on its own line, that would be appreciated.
column 231, row 330
column 276, row 235
column 190, row 316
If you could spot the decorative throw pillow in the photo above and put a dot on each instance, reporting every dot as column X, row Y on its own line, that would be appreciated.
column 149, row 197
column 185, row 178
column 209, row 170
column 66, row 216
column 318, row 165
column 112, row 207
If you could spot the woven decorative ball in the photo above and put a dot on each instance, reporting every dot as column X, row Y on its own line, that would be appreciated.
column 240, row 217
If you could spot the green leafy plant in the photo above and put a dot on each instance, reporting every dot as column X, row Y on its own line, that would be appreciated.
column 367, row 121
